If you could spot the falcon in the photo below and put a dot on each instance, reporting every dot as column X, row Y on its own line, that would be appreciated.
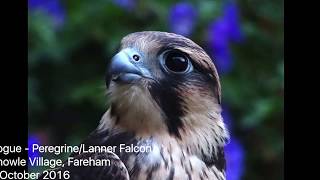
column 165, row 94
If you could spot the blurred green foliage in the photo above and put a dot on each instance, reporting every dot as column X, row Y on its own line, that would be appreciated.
column 67, row 64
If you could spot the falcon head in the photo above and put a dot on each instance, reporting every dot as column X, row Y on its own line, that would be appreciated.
column 163, row 83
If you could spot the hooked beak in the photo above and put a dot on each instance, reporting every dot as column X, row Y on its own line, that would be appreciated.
column 126, row 68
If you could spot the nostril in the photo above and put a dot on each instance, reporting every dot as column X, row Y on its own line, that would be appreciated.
column 136, row 57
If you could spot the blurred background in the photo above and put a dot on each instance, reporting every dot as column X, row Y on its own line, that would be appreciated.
column 70, row 43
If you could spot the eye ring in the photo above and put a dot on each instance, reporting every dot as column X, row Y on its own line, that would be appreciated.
column 176, row 62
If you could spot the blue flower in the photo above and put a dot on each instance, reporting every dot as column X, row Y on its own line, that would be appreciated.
column 182, row 18
column 126, row 4
column 231, row 15
column 227, row 118
column 221, row 32
column 234, row 153
column 219, row 45
column 52, row 8
column 33, row 139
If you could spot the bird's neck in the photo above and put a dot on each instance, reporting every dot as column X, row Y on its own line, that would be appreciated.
column 195, row 138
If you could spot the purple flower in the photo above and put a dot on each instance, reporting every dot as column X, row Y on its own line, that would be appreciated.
column 221, row 32
column 234, row 151
column 235, row 160
column 219, row 45
column 182, row 18
column 33, row 139
column 126, row 4
column 227, row 118
column 52, row 8
column 231, row 15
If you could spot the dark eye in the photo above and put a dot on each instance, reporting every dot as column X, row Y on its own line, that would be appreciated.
column 176, row 62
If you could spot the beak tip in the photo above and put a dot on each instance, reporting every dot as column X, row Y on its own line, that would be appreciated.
column 123, row 69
